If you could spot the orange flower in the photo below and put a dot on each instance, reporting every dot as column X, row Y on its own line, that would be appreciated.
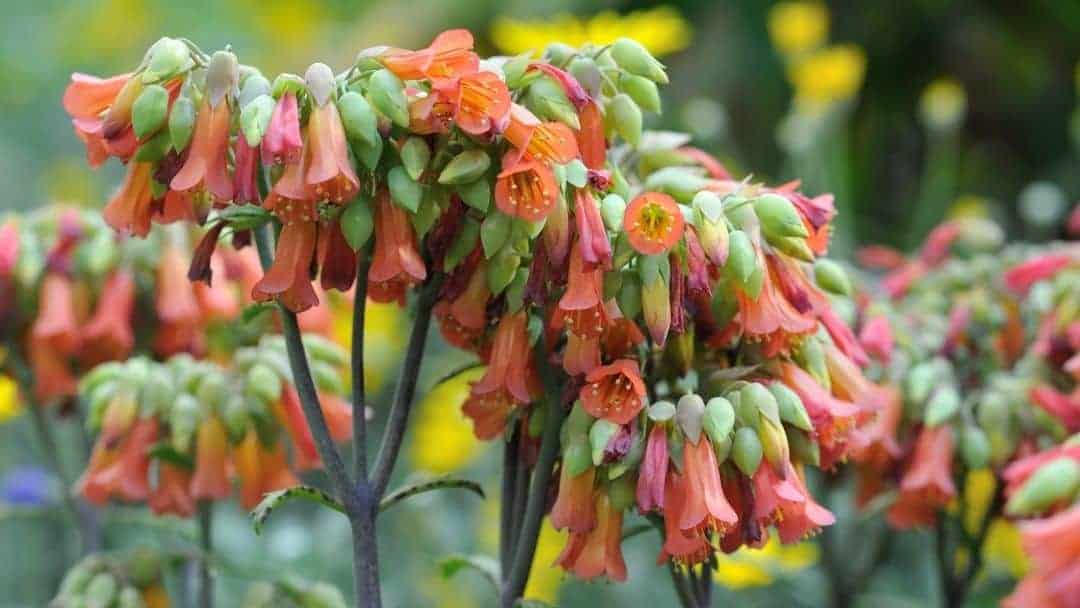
column 786, row 503
column 177, row 308
column 581, row 307
column 772, row 317
column 172, row 496
column 683, row 546
column 705, row 507
column 462, row 320
column 337, row 260
column 510, row 379
column 590, row 138
column 449, row 56
column 597, row 552
column 525, row 188
column 1053, row 544
column 289, row 277
column 108, row 335
column 833, row 419
column 396, row 263
column 881, row 447
column 927, row 484
column 329, row 170
column 653, row 223
column 89, row 96
column 548, row 142
column 131, row 209
column 290, row 415
column 206, row 168
column 261, row 469
column 614, row 392
column 89, row 100
column 56, row 326
column 483, row 101
column 574, row 508
column 211, row 478
column 120, row 471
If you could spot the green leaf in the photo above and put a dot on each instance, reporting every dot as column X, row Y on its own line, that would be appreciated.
column 494, row 232
column 476, row 194
column 273, row 500
column 577, row 174
column 404, row 190
column 357, row 223
column 483, row 564
column 255, row 310
column 162, row 450
column 244, row 217
column 442, row 483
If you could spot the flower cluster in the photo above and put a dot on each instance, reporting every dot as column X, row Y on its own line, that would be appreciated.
column 680, row 315
column 128, row 579
column 174, row 433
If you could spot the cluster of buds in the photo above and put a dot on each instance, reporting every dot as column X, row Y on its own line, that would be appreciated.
column 174, row 433
column 627, row 269
column 73, row 295
column 292, row 592
column 131, row 579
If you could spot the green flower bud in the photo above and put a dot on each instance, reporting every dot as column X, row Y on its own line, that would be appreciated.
column 792, row 410
column 719, row 419
column 150, row 110
column 181, row 122
column 558, row 53
column 319, row 79
column 167, row 59
column 387, row 93
column 358, row 118
column 322, row 595
column 634, row 58
column 804, row 449
column 943, row 405
column 921, row 380
column 689, row 416
column 236, row 416
column 130, row 598
column 576, row 456
column 287, row 83
column 661, row 411
column 144, row 566
column 404, row 191
column 101, row 591
column 746, row 451
column 183, row 420
column 629, row 297
column 587, row 73
column 415, row 155
column 612, row 210
column 222, row 76
column 974, row 447
column 831, row 277
column 254, row 86
column 548, row 101
column 494, row 232
column 779, row 217
column 681, row 183
column 78, row 578
column 357, row 223
column 741, row 259
column 264, row 384
column 153, row 150
column 212, row 390
column 774, row 443
column 1054, row 482
column 255, row 119
column 995, row 418
column 793, row 246
column 624, row 116
column 158, row 393
column 501, row 269
column 600, row 435
column 465, row 167
column 755, row 395
column 642, row 90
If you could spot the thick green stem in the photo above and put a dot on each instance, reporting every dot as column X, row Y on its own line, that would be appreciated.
column 359, row 400
column 506, row 506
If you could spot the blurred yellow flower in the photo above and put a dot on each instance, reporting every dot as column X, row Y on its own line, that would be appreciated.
column 830, row 75
column 10, row 406
column 798, row 27
column 1003, row 550
column 383, row 339
column 969, row 205
column 943, row 104
column 662, row 30
column 443, row 439
column 978, row 492
column 749, row 567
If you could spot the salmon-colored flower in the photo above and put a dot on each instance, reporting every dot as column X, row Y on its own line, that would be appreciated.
column 121, row 470
column 483, row 103
column 108, row 335
column 652, row 478
column 786, row 503
column 773, row 318
column 1018, row 472
column 597, row 552
column 832, row 418
column 282, row 142
column 261, row 469
column 448, row 57
column 876, row 337
column 245, row 172
column 683, row 546
column 574, row 508
column 396, row 263
column 614, row 392
column 206, row 168
column 547, row 142
column 1053, row 544
column 289, row 277
column 509, row 381
column 1021, row 277
column 462, row 320
column 89, row 96
column 927, row 485
column 211, row 478
column 177, row 308
column 56, row 325
column 90, row 101
column 290, row 415
column 329, row 170
column 705, row 506
column 337, row 260
column 882, row 448
column 525, row 188
column 130, row 210
column 581, row 308
column 172, row 495
column 653, row 223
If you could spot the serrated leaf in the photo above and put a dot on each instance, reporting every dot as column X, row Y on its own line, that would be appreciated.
column 273, row 500
column 442, row 483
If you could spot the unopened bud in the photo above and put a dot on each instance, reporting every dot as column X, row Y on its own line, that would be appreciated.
column 102, row 590
column 661, row 411
column 719, row 420
column 357, row 223
column 1053, row 482
column 831, row 277
column 319, row 79
column 168, row 58
column 625, row 117
column 689, row 416
column 943, row 405
column 600, row 434
column 612, row 210
column 415, row 155
column 791, row 408
column 779, row 217
column 181, row 122
column 548, row 101
column 387, row 93
column 974, row 447
column 222, row 76
column 755, row 395
column 804, row 449
column 149, row 111
column 746, row 451
column 629, row 297
column 793, row 246
column 634, row 58
column 741, row 259
column 811, row 357
column 466, row 167
column 263, row 384
column 183, row 420
column 711, row 225
column 642, row 90
column 358, row 118
column 254, row 85
column 655, row 298
column 255, row 119
column 587, row 73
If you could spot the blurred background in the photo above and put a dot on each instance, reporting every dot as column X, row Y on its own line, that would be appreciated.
column 910, row 112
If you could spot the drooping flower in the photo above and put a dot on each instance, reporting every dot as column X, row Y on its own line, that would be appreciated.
column 108, row 335
column 245, row 172
column 290, row 415
column 1053, row 544
column 652, row 477
column 597, row 552
column 832, row 418
column 592, row 236
column 211, row 478
column 705, row 506
column 574, row 507
column 89, row 101
column 131, row 209
column 772, row 317
column 396, row 263
column 581, row 308
column 177, row 308
column 525, row 188
column 510, row 379
column 328, row 169
column 614, row 392
column 786, row 503
column 289, row 277
column 206, row 168
column 282, row 142
column 681, row 546
column 653, row 223
column 463, row 318
column 261, row 469
column 1021, row 277
column 876, row 337
column 172, row 494
column 927, row 485
column 337, row 260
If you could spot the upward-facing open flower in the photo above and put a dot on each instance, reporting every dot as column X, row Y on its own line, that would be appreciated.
column 574, row 508
column 597, row 552
column 525, row 188
column 653, row 223
column 206, row 168
column 547, row 142
column 396, row 263
column 108, row 335
column 449, row 56
column 261, row 469
column 328, row 168
column 132, row 207
column 282, row 143
column 614, row 392
column 927, row 484
column 211, row 478
column 510, row 379
column 483, row 103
